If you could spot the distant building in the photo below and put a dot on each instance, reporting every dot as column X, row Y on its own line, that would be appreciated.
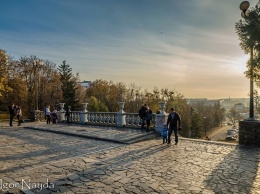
column 231, row 102
column 85, row 84
column 239, row 107
column 203, row 101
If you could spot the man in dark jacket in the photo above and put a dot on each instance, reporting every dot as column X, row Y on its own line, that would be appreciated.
column 175, row 122
column 12, row 114
column 148, row 118
column 142, row 115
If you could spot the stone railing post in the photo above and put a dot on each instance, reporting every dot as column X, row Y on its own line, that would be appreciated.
column 161, row 118
column 249, row 133
column 120, row 115
column 162, row 106
column 83, row 114
column 61, row 113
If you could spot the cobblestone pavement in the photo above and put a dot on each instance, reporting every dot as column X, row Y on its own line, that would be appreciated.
column 113, row 134
column 66, row 164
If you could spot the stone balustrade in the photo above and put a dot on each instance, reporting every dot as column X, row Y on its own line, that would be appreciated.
column 74, row 116
column 119, row 119
column 249, row 131
column 132, row 120
column 101, row 118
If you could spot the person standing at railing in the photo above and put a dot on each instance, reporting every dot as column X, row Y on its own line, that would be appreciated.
column 19, row 115
column 48, row 114
column 54, row 116
column 12, row 114
column 142, row 115
column 148, row 117
column 67, row 114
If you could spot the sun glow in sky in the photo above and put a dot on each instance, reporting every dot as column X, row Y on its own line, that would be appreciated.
column 186, row 45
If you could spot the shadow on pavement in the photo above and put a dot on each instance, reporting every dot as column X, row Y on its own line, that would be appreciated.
column 237, row 172
column 49, row 151
column 99, row 173
column 63, row 150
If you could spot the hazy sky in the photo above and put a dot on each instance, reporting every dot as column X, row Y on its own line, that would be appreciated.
column 188, row 45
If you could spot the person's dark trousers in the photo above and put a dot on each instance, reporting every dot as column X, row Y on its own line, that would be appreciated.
column 19, row 120
column 48, row 119
column 164, row 139
column 68, row 119
column 11, row 120
column 54, row 121
column 175, row 130
column 148, row 125
column 142, row 122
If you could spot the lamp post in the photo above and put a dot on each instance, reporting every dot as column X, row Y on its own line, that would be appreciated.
column 37, row 64
column 245, row 13
column 204, row 123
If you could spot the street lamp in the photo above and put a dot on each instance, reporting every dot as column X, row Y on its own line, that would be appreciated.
column 205, row 127
column 245, row 13
column 244, row 8
column 37, row 64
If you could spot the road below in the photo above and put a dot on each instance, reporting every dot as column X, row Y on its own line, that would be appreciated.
column 219, row 133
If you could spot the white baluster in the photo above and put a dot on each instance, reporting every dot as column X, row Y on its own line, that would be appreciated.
column 102, row 119
column 132, row 119
column 110, row 119
column 95, row 118
column 137, row 120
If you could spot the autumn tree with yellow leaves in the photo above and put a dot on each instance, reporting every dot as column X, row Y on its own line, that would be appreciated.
column 3, row 72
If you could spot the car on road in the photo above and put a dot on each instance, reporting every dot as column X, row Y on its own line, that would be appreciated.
column 232, row 134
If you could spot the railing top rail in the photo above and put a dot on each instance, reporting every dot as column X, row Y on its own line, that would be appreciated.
column 102, row 112
column 125, row 113
column 94, row 112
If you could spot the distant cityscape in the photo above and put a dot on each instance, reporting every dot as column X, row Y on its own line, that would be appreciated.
column 239, row 104
column 227, row 103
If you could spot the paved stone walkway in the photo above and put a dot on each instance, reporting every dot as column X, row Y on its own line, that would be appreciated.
column 112, row 134
column 80, row 165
